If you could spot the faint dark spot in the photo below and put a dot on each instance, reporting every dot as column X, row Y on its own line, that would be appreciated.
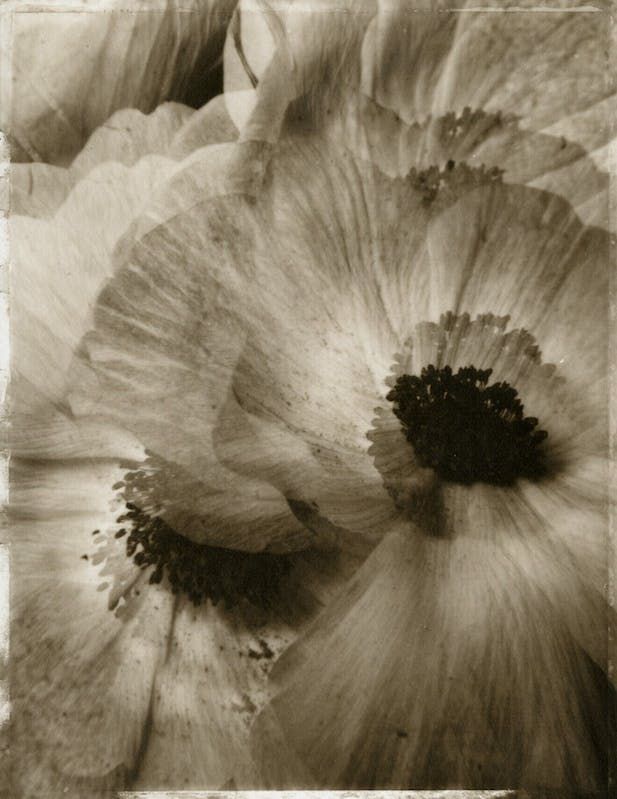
column 265, row 652
column 247, row 705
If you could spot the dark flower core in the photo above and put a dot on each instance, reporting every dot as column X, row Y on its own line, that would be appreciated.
column 466, row 430
column 201, row 572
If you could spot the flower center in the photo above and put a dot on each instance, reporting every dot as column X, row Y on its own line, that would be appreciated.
column 200, row 571
column 465, row 429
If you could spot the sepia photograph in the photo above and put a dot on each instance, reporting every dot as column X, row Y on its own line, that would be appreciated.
column 308, row 420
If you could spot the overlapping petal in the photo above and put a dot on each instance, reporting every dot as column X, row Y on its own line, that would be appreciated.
column 446, row 663
column 65, row 225
column 428, row 60
column 38, row 189
column 71, row 69
column 199, row 330
column 67, row 645
column 395, row 77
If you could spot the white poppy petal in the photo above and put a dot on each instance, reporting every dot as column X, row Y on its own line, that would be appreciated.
column 424, row 673
column 72, row 70
column 210, row 124
column 172, row 130
column 526, row 256
column 54, row 434
column 213, row 683
column 129, row 135
column 38, row 190
column 539, row 66
column 205, row 696
column 59, row 265
column 82, row 674
column 323, row 487
column 279, row 52
column 60, row 262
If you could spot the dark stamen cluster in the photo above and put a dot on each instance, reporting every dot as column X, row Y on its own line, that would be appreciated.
column 201, row 572
column 466, row 430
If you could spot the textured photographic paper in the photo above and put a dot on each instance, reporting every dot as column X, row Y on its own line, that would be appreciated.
column 308, row 374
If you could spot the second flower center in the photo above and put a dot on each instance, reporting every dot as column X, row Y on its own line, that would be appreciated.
column 467, row 430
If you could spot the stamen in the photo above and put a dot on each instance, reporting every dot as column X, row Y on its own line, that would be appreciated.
column 200, row 571
column 466, row 430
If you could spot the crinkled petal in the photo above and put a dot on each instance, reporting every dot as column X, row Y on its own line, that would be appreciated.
column 38, row 190
column 50, row 433
column 130, row 134
column 82, row 675
column 210, row 504
column 210, row 124
column 447, row 662
column 402, row 75
column 520, row 253
column 177, row 341
column 541, row 66
column 72, row 70
column 60, row 264
column 214, row 680
column 429, row 60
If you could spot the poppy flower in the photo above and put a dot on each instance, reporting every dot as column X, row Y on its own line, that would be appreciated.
column 352, row 414
column 71, row 69
column 83, row 664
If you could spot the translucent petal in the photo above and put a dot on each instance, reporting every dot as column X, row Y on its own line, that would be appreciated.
column 447, row 662
column 82, row 675
column 71, row 70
